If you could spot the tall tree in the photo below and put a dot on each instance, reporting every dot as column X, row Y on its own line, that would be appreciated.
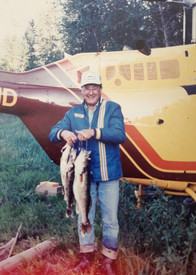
column 13, row 54
column 44, row 38
column 82, row 24
column 31, row 37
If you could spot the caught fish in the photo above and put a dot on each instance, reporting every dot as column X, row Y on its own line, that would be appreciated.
column 67, row 175
column 81, row 188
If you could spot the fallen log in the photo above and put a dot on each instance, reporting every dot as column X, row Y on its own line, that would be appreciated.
column 5, row 249
column 35, row 252
column 15, row 240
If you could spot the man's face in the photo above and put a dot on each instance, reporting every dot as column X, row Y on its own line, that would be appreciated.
column 91, row 94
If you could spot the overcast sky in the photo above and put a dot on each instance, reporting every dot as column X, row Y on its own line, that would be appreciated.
column 15, row 15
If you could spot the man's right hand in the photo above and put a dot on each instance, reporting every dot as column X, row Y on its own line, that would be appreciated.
column 69, row 137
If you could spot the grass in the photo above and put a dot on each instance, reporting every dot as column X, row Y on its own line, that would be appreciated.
column 159, row 236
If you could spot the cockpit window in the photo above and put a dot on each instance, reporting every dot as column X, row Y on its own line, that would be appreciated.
column 110, row 72
column 169, row 69
column 125, row 71
column 151, row 70
column 138, row 71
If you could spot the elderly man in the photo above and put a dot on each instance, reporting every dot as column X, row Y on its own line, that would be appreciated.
column 99, row 124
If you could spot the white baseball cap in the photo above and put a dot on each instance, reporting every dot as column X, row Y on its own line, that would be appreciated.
column 91, row 77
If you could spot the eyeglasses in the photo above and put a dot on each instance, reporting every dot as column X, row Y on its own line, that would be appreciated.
column 94, row 89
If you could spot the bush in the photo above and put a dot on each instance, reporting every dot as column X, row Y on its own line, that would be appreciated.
column 162, row 227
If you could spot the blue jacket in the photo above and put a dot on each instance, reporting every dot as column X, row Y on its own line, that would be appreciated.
column 105, row 152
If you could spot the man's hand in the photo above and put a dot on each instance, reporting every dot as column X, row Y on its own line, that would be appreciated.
column 85, row 134
column 69, row 137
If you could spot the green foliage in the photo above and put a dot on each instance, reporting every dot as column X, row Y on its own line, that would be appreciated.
column 23, row 164
column 162, row 226
column 90, row 26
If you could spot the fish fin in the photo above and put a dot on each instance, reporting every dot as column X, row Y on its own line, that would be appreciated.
column 77, row 208
column 63, row 148
column 89, row 155
column 85, row 228
column 81, row 178
column 66, row 175
column 72, row 215
column 90, row 204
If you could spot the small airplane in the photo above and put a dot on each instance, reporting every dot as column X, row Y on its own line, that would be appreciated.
column 157, row 92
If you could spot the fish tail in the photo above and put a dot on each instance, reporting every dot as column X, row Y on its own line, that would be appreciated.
column 85, row 228
column 68, row 212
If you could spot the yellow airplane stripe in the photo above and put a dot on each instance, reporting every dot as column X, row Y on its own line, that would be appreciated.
column 154, row 166
column 62, row 85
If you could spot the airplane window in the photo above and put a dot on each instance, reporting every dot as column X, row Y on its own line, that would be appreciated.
column 138, row 71
column 152, row 70
column 110, row 72
column 169, row 69
column 125, row 71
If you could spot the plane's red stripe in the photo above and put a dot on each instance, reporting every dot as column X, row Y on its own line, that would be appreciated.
column 148, row 169
column 152, row 155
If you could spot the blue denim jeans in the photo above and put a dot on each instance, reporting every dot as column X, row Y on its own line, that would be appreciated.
column 107, row 193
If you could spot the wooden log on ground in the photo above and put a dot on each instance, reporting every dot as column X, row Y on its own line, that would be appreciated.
column 37, row 251
column 5, row 249
column 15, row 240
